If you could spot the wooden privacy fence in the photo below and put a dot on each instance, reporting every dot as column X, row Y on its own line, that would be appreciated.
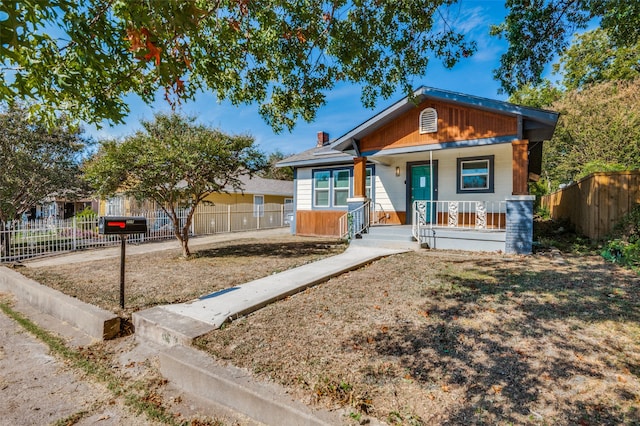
column 596, row 203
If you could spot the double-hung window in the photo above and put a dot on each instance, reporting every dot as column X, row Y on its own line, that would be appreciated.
column 340, row 188
column 321, row 188
column 331, row 188
column 258, row 205
column 367, row 185
column 115, row 206
column 475, row 175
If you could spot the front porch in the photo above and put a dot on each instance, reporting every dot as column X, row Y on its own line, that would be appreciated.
column 505, row 226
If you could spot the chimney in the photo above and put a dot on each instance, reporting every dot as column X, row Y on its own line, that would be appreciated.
column 323, row 139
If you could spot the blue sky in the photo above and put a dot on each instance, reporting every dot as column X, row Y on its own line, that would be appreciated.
column 343, row 110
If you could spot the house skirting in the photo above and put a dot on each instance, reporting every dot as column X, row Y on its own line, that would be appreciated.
column 462, row 239
column 319, row 222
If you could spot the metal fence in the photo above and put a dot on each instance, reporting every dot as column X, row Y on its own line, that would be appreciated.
column 21, row 240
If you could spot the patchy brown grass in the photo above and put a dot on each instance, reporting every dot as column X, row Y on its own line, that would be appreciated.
column 418, row 338
column 442, row 338
column 164, row 277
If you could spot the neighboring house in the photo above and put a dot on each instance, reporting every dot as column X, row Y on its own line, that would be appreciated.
column 256, row 191
column 441, row 162
column 60, row 206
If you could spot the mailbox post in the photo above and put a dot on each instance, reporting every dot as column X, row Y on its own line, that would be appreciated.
column 123, row 226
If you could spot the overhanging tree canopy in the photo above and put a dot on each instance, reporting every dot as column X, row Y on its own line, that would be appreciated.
column 176, row 163
column 84, row 57
column 537, row 30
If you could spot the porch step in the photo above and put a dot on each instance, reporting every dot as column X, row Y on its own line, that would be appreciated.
column 388, row 236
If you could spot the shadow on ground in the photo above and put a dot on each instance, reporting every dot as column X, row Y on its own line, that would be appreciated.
column 285, row 249
column 537, row 347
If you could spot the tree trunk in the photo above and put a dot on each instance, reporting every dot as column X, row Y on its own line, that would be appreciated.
column 185, row 231
column 182, row 234
column 185, row 247
column 5, row 242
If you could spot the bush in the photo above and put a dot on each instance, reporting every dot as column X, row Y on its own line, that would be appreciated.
column 87, row 213
column 623, row 246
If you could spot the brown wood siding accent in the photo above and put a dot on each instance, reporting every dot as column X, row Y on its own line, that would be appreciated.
column 520, row 167
column 318, row 222
column 395, row 218
column 359, row 176
column 455, row 123
column 596, row 203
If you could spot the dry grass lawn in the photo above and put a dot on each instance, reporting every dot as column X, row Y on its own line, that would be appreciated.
column 417, row 338
column 164, row 277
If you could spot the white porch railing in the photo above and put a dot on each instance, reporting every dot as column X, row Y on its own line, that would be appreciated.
column 481, row 215
column 377, row 214
column 21, row 240
column 356, row 221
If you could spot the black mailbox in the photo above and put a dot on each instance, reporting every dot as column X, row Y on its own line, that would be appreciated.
column 122, row 225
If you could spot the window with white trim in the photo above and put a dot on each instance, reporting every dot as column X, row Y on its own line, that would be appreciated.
column 288, row 206
column 340, row 188
column 331, row 188
column 258, row 205
column 367, row 185
column 475, row 174
column 115, row 206
column 321, row 183
column 428, row 121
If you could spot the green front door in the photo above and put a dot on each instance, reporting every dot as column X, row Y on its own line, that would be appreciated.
column 420, row 188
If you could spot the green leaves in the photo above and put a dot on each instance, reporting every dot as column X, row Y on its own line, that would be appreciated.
column 598, row 130
column 537, row 30
column 176, row 163
column 36, row 162
column 594, row 57
column 284, row 55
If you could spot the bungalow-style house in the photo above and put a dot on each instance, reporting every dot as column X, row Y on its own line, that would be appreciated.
column 453, row 167
column 261, row 203
column 256, row 191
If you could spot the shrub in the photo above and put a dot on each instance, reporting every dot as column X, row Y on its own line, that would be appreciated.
column 87, row 213
column 623, row 246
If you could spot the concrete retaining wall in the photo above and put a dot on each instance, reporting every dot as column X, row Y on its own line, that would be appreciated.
column 96, row 322
column 232, row 387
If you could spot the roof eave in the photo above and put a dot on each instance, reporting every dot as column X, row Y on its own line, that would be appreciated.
column 544, row 117
column 317, row 161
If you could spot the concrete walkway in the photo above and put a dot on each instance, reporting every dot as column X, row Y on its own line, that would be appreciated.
column 181, row 323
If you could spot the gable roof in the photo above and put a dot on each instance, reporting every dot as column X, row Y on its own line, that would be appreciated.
column 536, row 124
column 262, row 186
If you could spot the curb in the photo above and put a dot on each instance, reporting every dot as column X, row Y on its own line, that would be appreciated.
column 233, row 387
column 153, row 325
column 96, row 322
